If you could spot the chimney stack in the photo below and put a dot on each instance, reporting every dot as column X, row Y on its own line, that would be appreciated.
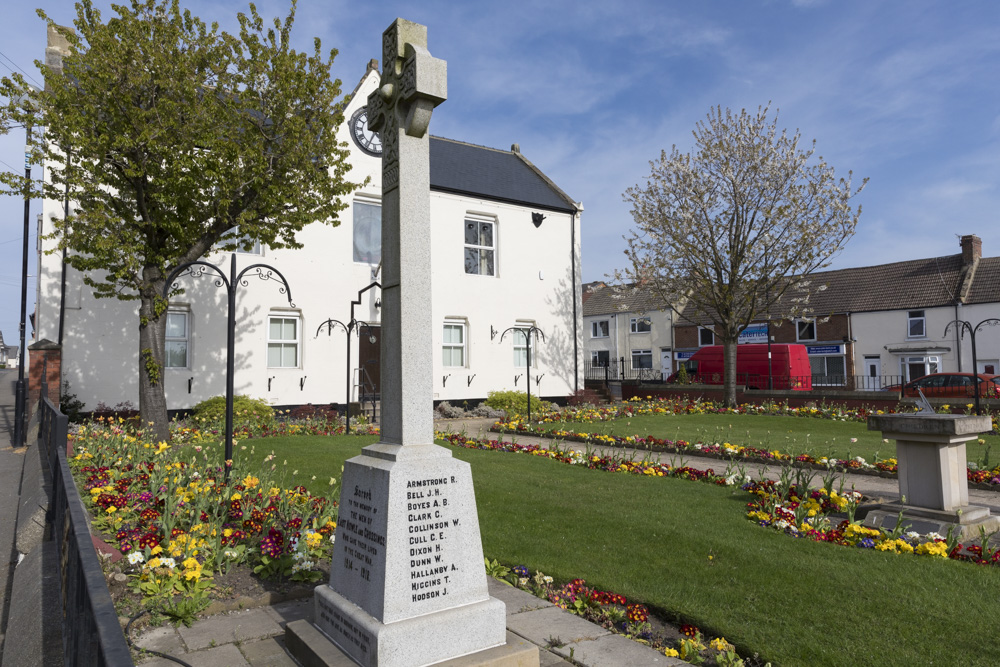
column 972, row 249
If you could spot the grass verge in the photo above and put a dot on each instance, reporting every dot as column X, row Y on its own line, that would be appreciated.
column 795, row 602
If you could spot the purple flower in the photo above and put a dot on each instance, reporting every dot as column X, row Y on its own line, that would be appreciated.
column 867, row 543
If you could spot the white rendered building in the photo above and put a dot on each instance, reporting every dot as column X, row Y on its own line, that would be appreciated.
column 506, row 244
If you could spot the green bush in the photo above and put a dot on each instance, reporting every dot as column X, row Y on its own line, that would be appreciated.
column 246, row 410
column 516, row 402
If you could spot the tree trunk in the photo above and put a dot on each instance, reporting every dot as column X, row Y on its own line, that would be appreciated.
column 729, row 372
column 152, row 333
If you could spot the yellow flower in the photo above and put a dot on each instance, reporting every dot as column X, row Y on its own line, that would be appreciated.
column 156, row 550
column 111, row 510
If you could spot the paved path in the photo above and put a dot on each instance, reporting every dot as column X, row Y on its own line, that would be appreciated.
column 11, row 464
column 255, row 637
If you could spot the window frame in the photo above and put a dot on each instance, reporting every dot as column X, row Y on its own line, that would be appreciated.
column 374, row 203
column 701, row 336
column 594, row 328
column 634, row 322
column 912, row 318
column 466, row 246
column 931, row 364
column 799, row 323
column 297, row 342
column 595, row 358
column 232, row 235
column 463, row 326
column 531, row 340
column 822, row 379
column 186, row 338
column 642, row 353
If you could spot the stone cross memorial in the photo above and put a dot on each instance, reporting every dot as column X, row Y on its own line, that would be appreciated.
column 407, row 581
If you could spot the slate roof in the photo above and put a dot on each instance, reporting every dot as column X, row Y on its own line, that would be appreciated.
column 913, row 284
column 916, row 283
column 506, row 176
column 606, row 299
column 986, row 282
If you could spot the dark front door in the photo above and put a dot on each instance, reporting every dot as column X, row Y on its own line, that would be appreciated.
column 369, row 356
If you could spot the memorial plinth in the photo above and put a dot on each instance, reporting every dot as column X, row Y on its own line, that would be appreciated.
column 932, row 472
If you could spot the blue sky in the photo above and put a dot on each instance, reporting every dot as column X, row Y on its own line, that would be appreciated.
column 905, row 93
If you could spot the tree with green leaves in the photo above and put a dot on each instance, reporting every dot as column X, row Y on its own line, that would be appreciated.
column 723, row 232
column 172, row 137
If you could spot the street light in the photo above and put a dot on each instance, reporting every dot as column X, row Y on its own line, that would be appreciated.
column 21, row 398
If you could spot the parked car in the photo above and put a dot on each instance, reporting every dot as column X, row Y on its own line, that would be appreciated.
column 788, row 369
column 946, row 385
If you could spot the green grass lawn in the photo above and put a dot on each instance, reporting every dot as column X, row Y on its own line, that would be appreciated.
column 792, row 435
column 795, row 602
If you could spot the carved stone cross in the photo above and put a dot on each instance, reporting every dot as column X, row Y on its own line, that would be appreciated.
column 412, row 84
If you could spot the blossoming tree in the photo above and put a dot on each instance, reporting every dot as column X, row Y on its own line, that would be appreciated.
column 721, row 233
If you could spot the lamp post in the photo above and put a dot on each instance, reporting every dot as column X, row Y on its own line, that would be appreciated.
column 199, row 268
column 526, row 332
column 963, row 326
column 20, row 391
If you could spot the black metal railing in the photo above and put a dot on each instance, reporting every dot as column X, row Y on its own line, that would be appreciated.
column 621, row 369
column 91, row 632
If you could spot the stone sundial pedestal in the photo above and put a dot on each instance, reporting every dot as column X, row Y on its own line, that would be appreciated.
column 407, row 580
column 933, row 482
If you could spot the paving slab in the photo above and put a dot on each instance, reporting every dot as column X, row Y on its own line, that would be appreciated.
column 228, row 628
column 285, row 612
column 267, row 653
column 560, row 626
column 163, row 639
column 614, row 650
column 547, row 658
column 226, row 655
column 517, row 601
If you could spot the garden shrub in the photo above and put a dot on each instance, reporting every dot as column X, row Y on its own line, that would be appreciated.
column 449, row 411
column 245, row 410
column 483, row 410
column 70, row 405
column 515, row 402
column 585, row 397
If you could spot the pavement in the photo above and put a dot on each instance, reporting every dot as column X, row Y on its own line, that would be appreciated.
column 255, row 637
column 11, row 465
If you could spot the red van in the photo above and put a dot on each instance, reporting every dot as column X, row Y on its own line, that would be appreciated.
column 789, row 369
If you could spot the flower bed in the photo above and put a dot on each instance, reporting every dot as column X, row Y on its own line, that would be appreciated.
column 985, row 479
column 804, row 512
column 614, row 612
column 178, row 523
column 665, row 406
